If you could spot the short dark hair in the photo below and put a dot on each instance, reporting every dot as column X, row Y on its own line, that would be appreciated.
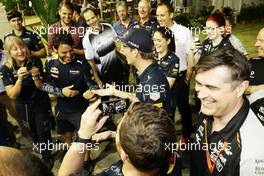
column 168, row 35
column 67, row 4
column 237, row 63
column 89, row 9
column 63, row 37
column 22, row 163
column 121, row 3
column 144, row 132
column 13, row 14
column 168, row 5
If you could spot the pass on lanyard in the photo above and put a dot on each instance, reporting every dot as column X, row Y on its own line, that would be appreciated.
column 210, row 163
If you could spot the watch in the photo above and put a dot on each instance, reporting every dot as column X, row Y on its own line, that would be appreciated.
column 77, row 138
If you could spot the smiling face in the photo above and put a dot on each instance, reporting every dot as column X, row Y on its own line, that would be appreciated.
column 213, row 31
column 144, row 9
column 91, row 19
column 122, row 12
column 164, row 17
column 66, row 15
column 260, row 43
column 18, row 52
column 160, row 43
column 16, row 23
column 65, row 53
column 218, row 96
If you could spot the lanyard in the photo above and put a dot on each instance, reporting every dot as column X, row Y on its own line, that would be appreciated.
column 210, row 163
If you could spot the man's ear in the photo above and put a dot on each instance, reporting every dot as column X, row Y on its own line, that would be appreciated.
column 241, row 88
column 123, row 155
column 171, row 15
column 54, row 49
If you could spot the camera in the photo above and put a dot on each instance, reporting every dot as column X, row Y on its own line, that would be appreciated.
column 114, row 106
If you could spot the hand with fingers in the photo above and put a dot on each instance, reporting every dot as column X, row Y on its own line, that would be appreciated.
column 109, row 91
column 21, row 73
column 34, row 72
column 90, row 122
column 68, row 92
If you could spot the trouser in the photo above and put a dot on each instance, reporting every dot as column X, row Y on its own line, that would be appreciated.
column 182, row 102
column 36, row 116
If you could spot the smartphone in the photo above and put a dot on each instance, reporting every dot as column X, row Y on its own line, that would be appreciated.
column 114, row 106
column 29, row 65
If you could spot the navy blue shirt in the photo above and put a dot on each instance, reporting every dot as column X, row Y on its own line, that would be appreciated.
column 121, row 29
column 150, row 25
column 29, row 92
column 257, row 71
column 75, row 73
column 153, row 87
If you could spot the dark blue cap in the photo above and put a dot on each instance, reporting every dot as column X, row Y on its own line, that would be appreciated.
column 139, row 39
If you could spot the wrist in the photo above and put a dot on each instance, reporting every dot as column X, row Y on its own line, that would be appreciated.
column 19, row 81
column 84, row 134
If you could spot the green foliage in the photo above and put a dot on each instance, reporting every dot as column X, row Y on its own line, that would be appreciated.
column 251, row 12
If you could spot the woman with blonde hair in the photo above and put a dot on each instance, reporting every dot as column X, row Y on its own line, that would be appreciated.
column 21, row 76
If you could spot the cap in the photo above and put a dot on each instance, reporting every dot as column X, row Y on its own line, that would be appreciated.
column 13, row 14
column 139, row 39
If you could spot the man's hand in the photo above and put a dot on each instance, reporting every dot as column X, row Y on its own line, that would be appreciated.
column 109, row 91
column 89, row 121
column 67, row 92
column 34, row 72
column 88, row 94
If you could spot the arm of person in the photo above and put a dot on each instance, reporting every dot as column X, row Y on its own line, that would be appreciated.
column 95, row 73
column 40, row 53
column 252, row 89
column 111, row 91
column 88, row 127
column 14, row 90
column 171, row 81
column 78, row 51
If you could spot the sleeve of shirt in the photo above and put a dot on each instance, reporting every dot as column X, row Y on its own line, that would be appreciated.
column 6, row 76
column 87, row 77
column 173, row 68
column 237, row 44
column 87, row 47
column 153, row 93
column 47, row 83
column 37, row 42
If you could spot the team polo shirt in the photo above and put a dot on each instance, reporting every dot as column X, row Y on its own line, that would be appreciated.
column 29, row 91
column 154, row 88
column 183, row 40
column 121, row 29
column 150, row 25
column 257, row 71
column 170, row 64
column 236, row 150
column 207, row 46
column 74, row 73
column 32, row 40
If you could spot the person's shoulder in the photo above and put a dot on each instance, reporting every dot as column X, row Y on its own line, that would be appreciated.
column 172, row 56
column 180, row 27
column 56, row 24
column 114, row 170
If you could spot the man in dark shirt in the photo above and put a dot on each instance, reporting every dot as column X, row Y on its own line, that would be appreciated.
column 32, row 40
column 125, row 22
column 68, row 77
column 141, row 140
column 152, row 85
column 145, row 20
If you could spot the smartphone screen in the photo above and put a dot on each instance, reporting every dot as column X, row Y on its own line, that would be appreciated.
column 114, row 106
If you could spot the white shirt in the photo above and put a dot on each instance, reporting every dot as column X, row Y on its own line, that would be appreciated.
column 183, row 40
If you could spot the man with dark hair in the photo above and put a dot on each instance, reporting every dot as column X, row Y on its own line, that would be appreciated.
column 226, row 142
column 99, row 49
column 125, row 22
column 67, row 77
column 142, row 135
column 183, row 39
column 15, row 162
column 152, row 86
column 66, row 23
column 32, row 40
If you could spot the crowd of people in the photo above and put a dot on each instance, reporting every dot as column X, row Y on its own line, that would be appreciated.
column 149, row 61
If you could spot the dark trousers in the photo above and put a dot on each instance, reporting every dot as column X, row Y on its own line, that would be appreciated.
column 182, row 102
column 36, row 116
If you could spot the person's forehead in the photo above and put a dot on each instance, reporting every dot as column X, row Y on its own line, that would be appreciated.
column 66, row 10
column 261, row 34
column 64, row 47
column 211, row 23
column 89, row 14
column 16, row 19
column 214, row 76
column 143, row 4
column 162, row 9
column 121, row 7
